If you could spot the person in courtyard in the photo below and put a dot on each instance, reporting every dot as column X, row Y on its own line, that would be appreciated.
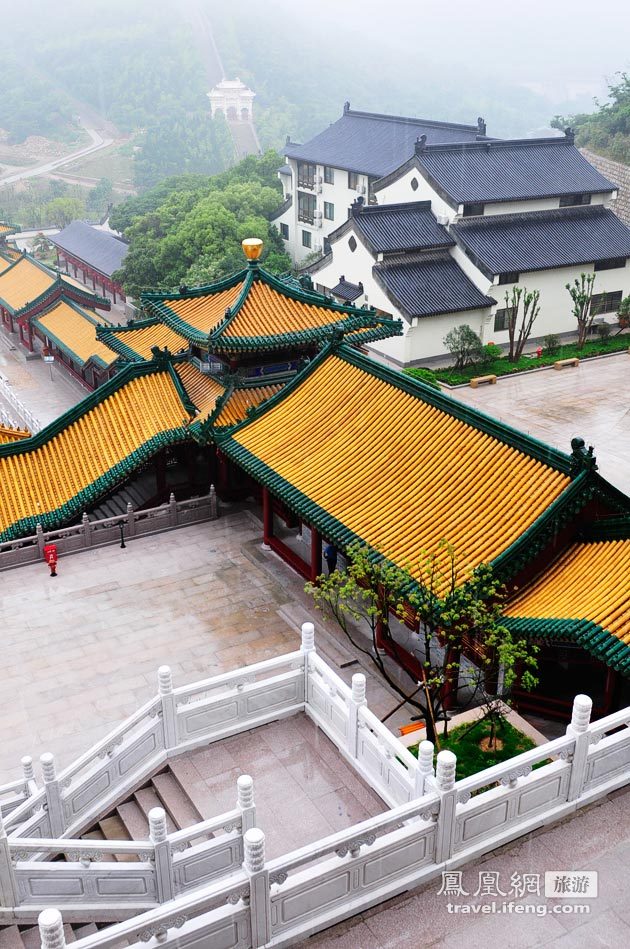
column 330, row 556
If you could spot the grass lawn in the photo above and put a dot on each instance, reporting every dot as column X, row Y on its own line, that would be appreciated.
column 114, row 163
column 502, row 366
column 465, row 741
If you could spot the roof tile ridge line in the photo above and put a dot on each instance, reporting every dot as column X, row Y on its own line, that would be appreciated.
column 486, row 143
column 108, row 479
column 595, row 639
column 355, row 324
column 207, row 427
column 286, row 390
column 233, row 310
column 559, row 214
column 370, row 209
column 573, row 492
column 192, row 293
column 526, row 444
column 60, row 284
column 396, row 173
column 431, row 123
column 169, row 318
column 182, row 392
column 91, row 400
column 133, row 324
column 610, row 491
column 117, row 345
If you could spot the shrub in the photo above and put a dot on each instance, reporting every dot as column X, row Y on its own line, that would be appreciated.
column 464, row 344
column 424, row 375
column 603, row 330
column 552, row 344
column 624, row 312
column 491, row 352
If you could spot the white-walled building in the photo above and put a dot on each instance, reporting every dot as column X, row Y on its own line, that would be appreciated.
column 457, row 225
column 322, row 177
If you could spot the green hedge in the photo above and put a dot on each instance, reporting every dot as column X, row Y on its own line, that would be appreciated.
column 503, row 367
column 464, row 742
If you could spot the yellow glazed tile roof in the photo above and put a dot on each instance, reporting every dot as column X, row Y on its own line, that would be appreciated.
column 75, row 330
column 205, row 313
column 235, row 409
column 9, row 434
column 396, row 471
column 41, row 480
column 588, row 582
column 266, row 312
column 203, row 390
column 5, row 262
column 142, row 340
column 24, row 282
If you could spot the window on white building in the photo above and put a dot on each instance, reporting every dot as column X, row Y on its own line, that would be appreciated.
column 306, row 175
column 352, row 244
column 473, row 209
column 284, row 231
column 605, row 302
column 611, row 264
column 510, row 277
column 329, row 175
column 353, row 181
column 501, row 320
column 573, row 200
column 329, row 211
column 306, row 207
column 306, row 238
column 414, row 184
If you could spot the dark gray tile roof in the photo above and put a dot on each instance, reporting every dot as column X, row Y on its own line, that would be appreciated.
column 388, row 228
column 511, row 170
column 347, row 291
column 284, row 170
column 374, row 144
column 98, row 249
column 430, row 284
column 541, row 240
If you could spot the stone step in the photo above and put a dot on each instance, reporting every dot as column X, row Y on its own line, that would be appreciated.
column 175, row 800
column 147, row 799
column 11, row 938
column 86, row 930
column 98, row 835
column 134, row 819
column 113, row 828
column 194, row 788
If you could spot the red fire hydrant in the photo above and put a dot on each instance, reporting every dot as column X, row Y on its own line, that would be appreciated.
column 50, row 556
column 539, row 352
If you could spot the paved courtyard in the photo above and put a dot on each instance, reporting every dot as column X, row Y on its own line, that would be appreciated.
column 80, row 652
column 592, row 401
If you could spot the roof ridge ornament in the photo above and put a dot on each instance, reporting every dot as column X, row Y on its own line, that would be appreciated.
column 481, row 127
column 346, row 107
column 252, row 248
column 569, row 134
column 420, row 144
column 581, row 459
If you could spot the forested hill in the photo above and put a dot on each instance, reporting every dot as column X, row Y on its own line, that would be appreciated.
column 606, row 131
column 189, row 229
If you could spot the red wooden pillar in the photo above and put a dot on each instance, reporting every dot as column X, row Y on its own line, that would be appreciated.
column 223, row 479
column 30, row 337
column 267, row 507
column 609, row 688
column 316, row 554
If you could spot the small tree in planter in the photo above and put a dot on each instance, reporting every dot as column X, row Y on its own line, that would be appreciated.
column 581, row 292
column 449, row 610
column 520, row 321
column 464, row 344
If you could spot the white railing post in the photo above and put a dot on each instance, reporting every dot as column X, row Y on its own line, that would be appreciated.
column 307, row 647
column 163, row 861
column 259, row 903
column 445, row 786
column 357, row 701
column 131, row 520
column 245, row 801
column 169, row 707
column 214, row 510
column 53, row 795
column 87, row 530
column 579, row 730
column 51, row 929
column 30, row 784
column 172, row 510
column 8, row 888
column 424, row 769
column 39, row 533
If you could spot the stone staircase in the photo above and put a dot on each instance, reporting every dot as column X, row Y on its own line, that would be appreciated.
column 138, row 493
column 127, row 821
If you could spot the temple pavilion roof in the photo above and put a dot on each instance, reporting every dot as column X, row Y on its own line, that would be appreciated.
column 254, row 311
column 9, row 434
column 27, row 281
column 73, row 330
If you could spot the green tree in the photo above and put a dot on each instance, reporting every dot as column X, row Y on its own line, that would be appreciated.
column 100, row 196
column 451, row 608
column 464, row 344
column 520, row 329
column 581, row 293
column 61, row 211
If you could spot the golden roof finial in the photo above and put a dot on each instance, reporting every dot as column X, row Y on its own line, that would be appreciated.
column 252, row 247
